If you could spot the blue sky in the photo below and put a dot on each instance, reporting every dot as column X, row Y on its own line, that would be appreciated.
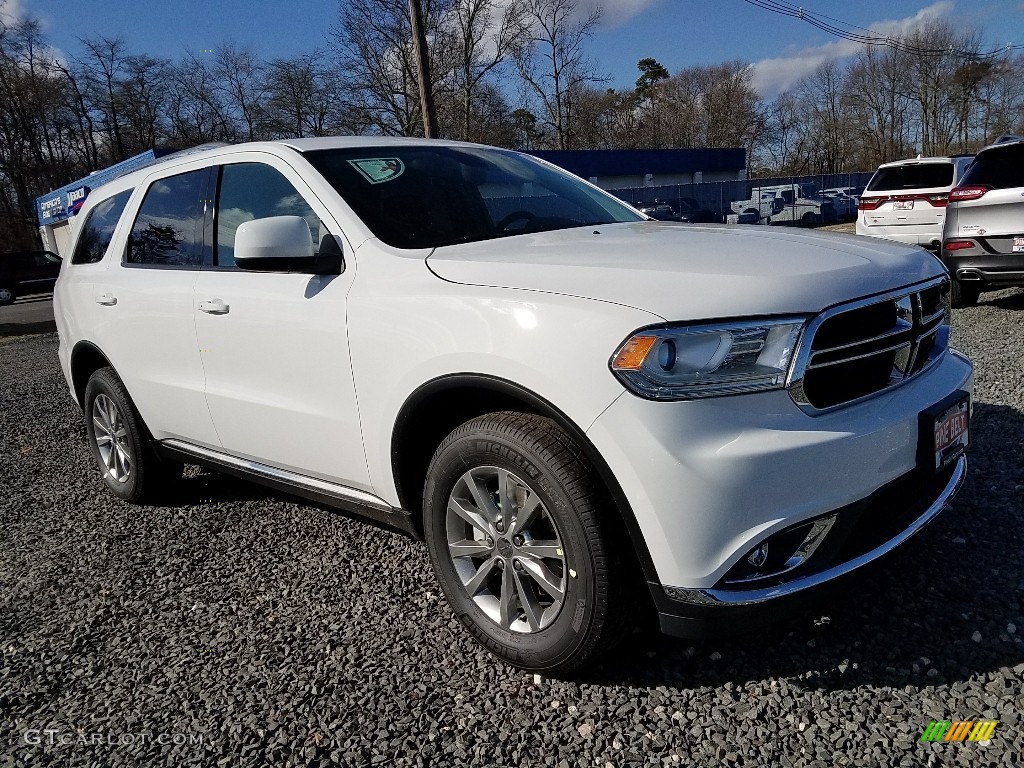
column 676, row 32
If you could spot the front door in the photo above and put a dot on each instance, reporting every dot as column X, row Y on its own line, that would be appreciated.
column 274, row 345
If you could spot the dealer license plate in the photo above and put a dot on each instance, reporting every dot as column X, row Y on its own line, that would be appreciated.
column 903, row 205
column 1018, row 245
column 945, row 431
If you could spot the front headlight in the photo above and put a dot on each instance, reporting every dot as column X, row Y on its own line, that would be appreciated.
column 729, row 358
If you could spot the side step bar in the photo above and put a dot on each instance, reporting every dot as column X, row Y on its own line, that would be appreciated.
column 332, row 494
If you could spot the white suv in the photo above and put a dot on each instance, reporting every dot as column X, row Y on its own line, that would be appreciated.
column 576, row 407
column 906, row 200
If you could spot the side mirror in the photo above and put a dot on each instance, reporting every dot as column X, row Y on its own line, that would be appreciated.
column 274, row 244
column 284, row 244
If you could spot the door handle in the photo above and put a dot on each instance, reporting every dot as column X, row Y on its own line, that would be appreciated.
column 107, row 300
column 214, row 307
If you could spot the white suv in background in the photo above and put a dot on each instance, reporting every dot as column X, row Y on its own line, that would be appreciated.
column 583, row 412
column 906, row 200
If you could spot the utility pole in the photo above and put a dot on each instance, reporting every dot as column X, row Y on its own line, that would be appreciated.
column 419, row 40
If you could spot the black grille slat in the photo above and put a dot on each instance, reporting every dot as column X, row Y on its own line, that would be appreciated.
column 871, row 346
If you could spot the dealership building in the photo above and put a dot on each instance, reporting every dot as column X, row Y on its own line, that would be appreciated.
column 55, row 209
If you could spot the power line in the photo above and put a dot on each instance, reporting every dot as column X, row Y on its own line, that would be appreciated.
column 818, row 20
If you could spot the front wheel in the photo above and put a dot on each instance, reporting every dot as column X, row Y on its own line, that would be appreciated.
column 514, row 527
column 7, row 295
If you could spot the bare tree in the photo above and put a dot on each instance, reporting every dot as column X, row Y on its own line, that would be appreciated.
column 554, row 65
column 481, row 37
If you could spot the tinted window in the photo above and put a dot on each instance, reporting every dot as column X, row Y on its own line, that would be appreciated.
column 98, row 229
column 255, row 191
column 998, row 168
column 423, row 196
column 920, row 176
column 169, row 228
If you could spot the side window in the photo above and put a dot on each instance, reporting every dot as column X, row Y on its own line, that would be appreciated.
column 98, row 229
column 168, row 230
column 255, row 191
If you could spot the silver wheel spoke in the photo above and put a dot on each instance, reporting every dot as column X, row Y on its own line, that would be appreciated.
column 470, row 516
column 111, row 437
column 468, row 548
column 526, row 515
column 104, row 440
column 528, row 601
column 507, row 599
column 542, row 549
column 544, row 577
column 100, row 425
column 474, row 585
column 483, row 499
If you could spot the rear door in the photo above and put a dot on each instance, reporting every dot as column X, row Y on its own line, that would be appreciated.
column 145, row 321
column 911, row 194
column 996, row 219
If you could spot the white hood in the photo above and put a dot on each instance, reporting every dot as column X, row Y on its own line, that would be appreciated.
column 687, row 272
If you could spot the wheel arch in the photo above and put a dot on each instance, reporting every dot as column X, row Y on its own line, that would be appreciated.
column 86, row 359
column 437, row 407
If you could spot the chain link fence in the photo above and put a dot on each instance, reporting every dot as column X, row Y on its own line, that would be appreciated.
column 793, row 200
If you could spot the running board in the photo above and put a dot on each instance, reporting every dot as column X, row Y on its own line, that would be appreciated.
column 334, row 495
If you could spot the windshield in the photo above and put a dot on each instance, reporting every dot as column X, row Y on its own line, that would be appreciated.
column 916, row 176
column 424, row 196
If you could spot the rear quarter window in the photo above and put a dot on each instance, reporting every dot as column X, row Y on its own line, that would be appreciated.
column 999, row 168
column 98, row 229
column 920, row 176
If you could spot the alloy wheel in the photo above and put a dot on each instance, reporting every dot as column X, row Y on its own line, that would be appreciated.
column 506, row 549
column 111, row 435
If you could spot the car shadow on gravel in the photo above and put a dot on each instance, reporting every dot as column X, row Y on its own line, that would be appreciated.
column 944, row 609
column 1012, row 301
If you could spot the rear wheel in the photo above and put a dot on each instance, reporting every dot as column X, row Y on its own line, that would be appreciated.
column 6, row 295
column 514, row 526
column 964, row 294
column 120, row 442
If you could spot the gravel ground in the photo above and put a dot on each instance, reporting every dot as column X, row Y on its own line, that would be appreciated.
column 262, row 631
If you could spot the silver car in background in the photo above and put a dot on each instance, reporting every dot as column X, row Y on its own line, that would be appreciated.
column 983, row 238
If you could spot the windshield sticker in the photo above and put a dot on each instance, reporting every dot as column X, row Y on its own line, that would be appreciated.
column 377, row 170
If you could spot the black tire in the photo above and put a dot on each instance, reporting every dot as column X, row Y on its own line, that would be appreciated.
column 145, row 476
column 7, row 295
column 964, row 294
column 595, row 610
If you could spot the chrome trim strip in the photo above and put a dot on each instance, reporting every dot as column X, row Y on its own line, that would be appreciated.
column 731, row 597
column 282, row 475
column 802, row 359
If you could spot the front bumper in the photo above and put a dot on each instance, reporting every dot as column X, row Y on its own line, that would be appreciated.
column 723, row 611
column 708, row 480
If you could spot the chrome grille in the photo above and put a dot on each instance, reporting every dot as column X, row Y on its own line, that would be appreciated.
column 859, row 349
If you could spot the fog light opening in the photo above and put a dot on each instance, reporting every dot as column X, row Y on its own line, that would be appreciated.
column 758, row 555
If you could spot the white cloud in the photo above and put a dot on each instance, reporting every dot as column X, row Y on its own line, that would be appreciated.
column 774, row 75
column 10, row 11
column 616, row 12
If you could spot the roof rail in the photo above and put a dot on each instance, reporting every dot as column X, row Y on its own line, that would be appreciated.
column 1007, row 137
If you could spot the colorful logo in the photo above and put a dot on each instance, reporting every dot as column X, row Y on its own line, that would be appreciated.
column 377, row 170
column 959, row 730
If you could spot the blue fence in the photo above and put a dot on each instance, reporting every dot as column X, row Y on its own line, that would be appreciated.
column 753, row 196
